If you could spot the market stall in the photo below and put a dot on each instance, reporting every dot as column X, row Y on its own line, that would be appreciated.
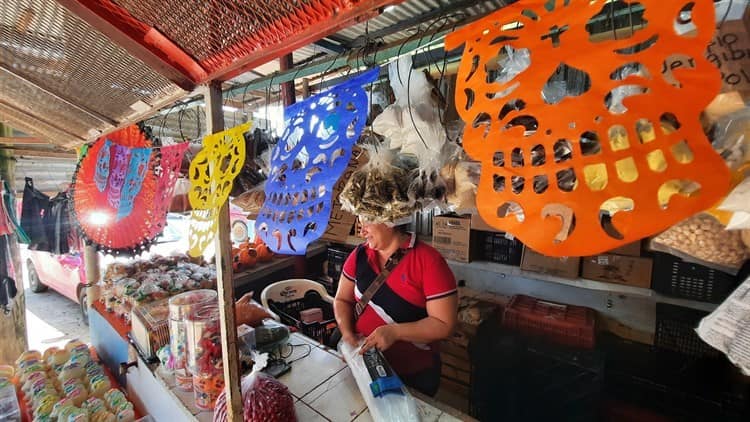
column 572, row 176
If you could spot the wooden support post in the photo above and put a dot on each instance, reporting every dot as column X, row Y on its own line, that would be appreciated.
column 215, row 123
column 13, row 325
column 305, row 88
column 288, row 94
column 93, row 275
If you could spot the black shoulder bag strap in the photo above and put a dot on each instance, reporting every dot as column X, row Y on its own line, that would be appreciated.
column 378, row 282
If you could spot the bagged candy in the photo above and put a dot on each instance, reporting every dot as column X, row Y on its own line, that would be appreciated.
column 265, row 399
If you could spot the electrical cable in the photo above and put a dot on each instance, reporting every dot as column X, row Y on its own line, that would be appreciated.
column 309, row 351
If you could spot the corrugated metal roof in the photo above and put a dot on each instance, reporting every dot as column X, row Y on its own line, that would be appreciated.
column 50, row 174
column 76, row 82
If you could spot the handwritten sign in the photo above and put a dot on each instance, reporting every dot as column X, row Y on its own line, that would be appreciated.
column 730, row 52
column 340, row 223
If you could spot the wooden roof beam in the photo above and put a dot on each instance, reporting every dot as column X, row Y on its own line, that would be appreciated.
column 141, row 41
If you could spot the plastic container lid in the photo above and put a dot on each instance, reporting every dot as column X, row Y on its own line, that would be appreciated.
column 183, row 304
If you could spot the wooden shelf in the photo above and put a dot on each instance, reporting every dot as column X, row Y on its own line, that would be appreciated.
column 513, row 271
column 278, row 263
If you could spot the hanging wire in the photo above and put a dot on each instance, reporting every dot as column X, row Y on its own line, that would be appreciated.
column 179, row 121
column 444, row 19
column 244, row 92
column 268, row 103
column 726, row 14
column 164, row 120
column 612, row 19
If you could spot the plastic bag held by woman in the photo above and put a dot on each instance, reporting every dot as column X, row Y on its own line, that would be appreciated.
column 392, row 407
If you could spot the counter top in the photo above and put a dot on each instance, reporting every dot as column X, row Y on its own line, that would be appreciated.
column 323, row 388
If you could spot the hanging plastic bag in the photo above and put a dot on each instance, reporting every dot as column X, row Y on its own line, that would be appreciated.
column 394, row 406
column 461, row 177
column 730, row 137
column 264, row 398
column 703, row 240
column 378, row 191
column 738, row 204
column 427, row 188
column 412, row 122
column 251, row 201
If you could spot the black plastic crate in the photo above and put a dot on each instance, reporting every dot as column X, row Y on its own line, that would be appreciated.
column 330, row 284
column 495, row 247
column 681, row 387
column 674, row 277
column 336, row 257
column 675, row 330
column 289, row 313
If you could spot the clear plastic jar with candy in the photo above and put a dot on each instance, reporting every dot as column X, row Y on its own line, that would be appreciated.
column 181, row 306
column 204, row 357
column 207, row 389
column 204, row 340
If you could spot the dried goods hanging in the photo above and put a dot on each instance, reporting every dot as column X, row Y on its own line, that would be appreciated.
column 412, row 127
column 378, row 191
column 592, row 116
column 211, row 174
column 309, row 159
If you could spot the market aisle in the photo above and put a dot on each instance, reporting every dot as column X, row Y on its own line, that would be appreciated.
column 52, row 319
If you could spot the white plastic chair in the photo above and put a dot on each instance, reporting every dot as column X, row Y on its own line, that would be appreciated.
column 286, row 290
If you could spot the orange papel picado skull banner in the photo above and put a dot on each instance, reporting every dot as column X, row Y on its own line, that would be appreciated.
column 589, row 136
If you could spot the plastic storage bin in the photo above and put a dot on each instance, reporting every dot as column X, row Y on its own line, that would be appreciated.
column 289, row 312
column 495, row 247
column 674, row 277
column 567, row 325
column 336, row 257
column 675, row 330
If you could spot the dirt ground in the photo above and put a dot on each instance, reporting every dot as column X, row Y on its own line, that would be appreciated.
column 51, row 318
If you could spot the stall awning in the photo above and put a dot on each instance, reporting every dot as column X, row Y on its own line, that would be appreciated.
column 74, row 69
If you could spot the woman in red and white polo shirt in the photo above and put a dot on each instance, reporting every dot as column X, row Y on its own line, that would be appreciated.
column 409, row 314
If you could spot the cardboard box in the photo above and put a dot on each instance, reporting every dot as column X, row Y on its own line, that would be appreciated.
column 561, row 267
column 478, row 224
column 451, row 236
column 621, row 330
column 631, row 249
column 340, row 223
column 729, row 50
column 629, row 270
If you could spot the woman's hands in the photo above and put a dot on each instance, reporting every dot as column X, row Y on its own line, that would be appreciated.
column 381, row 338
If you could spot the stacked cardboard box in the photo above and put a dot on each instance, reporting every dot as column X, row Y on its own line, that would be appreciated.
column 623, row 265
